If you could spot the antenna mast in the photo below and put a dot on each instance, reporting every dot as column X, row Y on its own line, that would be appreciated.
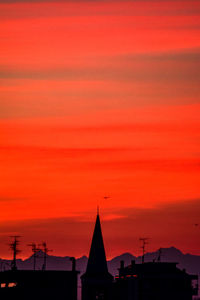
column 46, row 251
column 14, row 248
column 34, row 250
column 144, row 243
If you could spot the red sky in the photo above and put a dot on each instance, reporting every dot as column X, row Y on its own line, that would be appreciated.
column 100, row 98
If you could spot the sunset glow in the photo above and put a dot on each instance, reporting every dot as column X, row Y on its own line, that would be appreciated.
column 100, row 98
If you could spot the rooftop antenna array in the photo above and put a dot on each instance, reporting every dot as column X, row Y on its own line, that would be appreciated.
column 14, row 247
column 144, row 243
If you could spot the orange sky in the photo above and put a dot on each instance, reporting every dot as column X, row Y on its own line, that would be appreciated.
column 100, row 98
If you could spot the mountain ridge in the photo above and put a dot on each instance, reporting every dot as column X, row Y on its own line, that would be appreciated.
column 187, row 261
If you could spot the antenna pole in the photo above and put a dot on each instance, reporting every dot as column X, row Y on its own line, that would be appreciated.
column 34, row 250
column 46, row 251
column 144, row 243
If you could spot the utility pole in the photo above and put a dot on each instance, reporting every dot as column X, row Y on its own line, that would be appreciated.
column 46, row 251
column 14, row 248
column 144, row 243
column 34, row 250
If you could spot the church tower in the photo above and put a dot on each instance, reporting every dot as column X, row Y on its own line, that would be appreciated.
column 97, row 281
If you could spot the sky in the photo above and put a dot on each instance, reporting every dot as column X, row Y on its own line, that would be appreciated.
column 100, row 98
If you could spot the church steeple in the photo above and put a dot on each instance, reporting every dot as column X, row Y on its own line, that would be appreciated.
column 97, row 281
column 97, row 257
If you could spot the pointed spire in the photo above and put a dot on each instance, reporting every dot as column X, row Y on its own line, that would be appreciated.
column 97, row 263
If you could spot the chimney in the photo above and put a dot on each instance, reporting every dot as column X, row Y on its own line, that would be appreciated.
column 121, row 264
column 133, row 263
column 73, row 260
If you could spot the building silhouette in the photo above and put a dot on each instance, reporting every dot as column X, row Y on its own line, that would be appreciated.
column 38, row 284
column 97, row 281
column 154, row 281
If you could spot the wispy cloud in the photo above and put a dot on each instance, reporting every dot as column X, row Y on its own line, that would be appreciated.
column 161, row 67
column 12, row 199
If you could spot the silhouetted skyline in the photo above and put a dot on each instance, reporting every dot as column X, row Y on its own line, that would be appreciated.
column 151, row 279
